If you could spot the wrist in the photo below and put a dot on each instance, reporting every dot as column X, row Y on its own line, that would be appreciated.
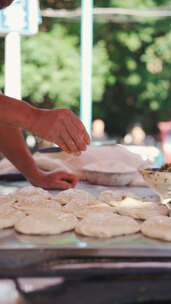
column 35, row 176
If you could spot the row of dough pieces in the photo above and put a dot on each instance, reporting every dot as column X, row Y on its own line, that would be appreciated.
column 32, row 210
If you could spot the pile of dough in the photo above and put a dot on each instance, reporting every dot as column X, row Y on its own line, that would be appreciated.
column 9, row 216
column 106, row 225
column 67, row 196
column 46, row 223
column 36, row 202
column 158, row 227
column 81, row 208
column 139, row 209
column 109, row 196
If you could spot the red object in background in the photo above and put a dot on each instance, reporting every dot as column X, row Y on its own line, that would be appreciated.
column 165, row 138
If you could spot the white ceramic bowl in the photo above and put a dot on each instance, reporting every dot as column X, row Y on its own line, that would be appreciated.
column 160, row 182
column 108, row 178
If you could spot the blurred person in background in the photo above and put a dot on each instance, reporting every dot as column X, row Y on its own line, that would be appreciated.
column 60, row 126
column 135, row 136
column 98, row 130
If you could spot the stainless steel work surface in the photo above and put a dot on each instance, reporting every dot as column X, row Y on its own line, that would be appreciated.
column 69, row 244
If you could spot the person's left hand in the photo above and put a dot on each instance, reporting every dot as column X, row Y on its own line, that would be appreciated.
column 55, row 180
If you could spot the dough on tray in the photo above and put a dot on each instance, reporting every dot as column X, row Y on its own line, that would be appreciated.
column 64, row 197
column 80, row 208
column 35, row 202
column 46, row 223
column 7, row 199
column 9, row 216
column 139, row 209
column 106, row 225
column 108, row 196
column 158, row 227
column 30, row 191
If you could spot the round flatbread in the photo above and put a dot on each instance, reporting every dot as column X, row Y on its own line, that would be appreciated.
column 139, row 209
column 158, row 227
column 9, row 216
column 81, row 208
column 7, row 199
column 31, row 191
column 106, row 225
column 46, row 223
column 109, row 197
column 32, row 203
column 66, row 196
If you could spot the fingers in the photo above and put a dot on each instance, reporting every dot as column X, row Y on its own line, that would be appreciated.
column 78, row 134
column 70, row 178
column 68, row 141
column 80, row 128
column 62, row 144
column 59, row 180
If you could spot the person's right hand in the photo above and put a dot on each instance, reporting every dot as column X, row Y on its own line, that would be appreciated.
column 53, row 180
column 61, row 127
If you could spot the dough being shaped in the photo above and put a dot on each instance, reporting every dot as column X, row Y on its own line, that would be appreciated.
column 109, row 196
column 66, row 196
column 139, row 209
column 46, row 223
column 158, row 227
column 81, row 208
column 106, row 225
column 35, row 202
column 9, row 216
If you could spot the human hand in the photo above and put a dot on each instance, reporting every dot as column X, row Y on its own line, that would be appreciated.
column 55, row 180
column 62, row 127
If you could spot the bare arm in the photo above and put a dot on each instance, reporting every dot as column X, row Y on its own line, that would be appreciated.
column 13, row 146
column 60, row 126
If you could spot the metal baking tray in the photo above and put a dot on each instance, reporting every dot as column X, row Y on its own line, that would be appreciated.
column 18, row 250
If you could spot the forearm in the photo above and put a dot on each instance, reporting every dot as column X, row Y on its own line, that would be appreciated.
column 60, row 126
column 13, row 146
column 17, row 113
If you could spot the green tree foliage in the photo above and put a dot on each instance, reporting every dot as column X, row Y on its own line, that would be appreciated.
column 51, row 68
column 140, row 72
column 131, row 65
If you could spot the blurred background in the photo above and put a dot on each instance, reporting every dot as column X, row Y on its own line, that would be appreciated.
column 131, row 69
